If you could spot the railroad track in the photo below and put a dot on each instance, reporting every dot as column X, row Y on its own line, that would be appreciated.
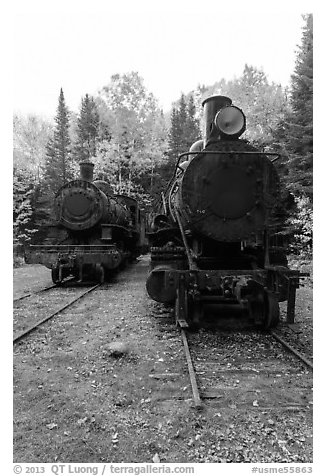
column 39, row 291
column 26, row 328
column 34, row 292
column 247, row 370
column 290, row 348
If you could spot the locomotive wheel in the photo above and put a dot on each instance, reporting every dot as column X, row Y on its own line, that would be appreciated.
column 264, row 309
column 195, row 313
column 257, row 308
column 123, row 264
column 181, row 306
column 177, row 310
column 99, row 273
column 272, row 310
column 55, row 276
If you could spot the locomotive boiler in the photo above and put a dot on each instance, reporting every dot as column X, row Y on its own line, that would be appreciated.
column 94, row 231
column 216, row 235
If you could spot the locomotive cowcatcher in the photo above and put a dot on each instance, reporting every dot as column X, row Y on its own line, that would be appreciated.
column 215, row 240
column 94, row 231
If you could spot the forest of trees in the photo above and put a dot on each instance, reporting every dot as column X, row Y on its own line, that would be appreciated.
column 135, row 146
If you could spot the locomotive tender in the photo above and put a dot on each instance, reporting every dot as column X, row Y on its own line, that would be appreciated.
column 94, row 233
column 215, row 239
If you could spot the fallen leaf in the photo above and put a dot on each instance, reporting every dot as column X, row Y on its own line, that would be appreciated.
column 82, row 421
column 156, row 458
column 50, row 426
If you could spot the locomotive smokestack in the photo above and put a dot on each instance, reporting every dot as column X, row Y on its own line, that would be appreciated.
column 211, row 106
column 86, row 171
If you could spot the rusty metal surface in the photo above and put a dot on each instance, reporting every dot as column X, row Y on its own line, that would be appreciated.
column 50, row 255
column 211, row 106
column 227, row 197
column 79, row 205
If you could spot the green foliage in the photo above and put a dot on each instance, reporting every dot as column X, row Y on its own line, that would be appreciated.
column 301, row 226
column 263, row 103
column 30, row 137
column 135, row 135
column 87, row 130
column 23, row 190
column 295, row 133
column 302, row 79
column 58, row 167
column 184, row 129
column 37, row 178
column 127, row 93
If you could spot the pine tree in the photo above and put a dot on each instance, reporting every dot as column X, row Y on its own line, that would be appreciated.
column 192, row 129
column 87, row 129
column 294, row 136
column 182, row 110
column 175, row 135
column 184, row 129
column 297, row 128
column 58, row 163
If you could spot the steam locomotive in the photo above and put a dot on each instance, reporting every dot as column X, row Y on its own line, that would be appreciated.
column 95, row 231
column 215, row 238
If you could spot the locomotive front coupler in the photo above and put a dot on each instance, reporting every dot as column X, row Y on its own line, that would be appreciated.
column 230, row 286
column 60, row 267
column 231, row 293
column 64, row 262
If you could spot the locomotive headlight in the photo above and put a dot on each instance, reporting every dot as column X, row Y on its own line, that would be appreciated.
column 230, row 121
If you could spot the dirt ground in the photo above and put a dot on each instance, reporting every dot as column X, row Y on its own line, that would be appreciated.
column 77, row 401
column 30, row 278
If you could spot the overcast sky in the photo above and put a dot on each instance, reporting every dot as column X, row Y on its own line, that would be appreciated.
column 174, row 45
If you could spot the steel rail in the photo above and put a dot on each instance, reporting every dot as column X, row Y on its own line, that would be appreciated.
column 291, row 349
column 192, row 373
column 35, row 292
column 44, row 289
column 35, row 326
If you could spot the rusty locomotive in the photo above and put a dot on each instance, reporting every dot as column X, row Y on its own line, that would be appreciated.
column 94, row 233
column 215, row 239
